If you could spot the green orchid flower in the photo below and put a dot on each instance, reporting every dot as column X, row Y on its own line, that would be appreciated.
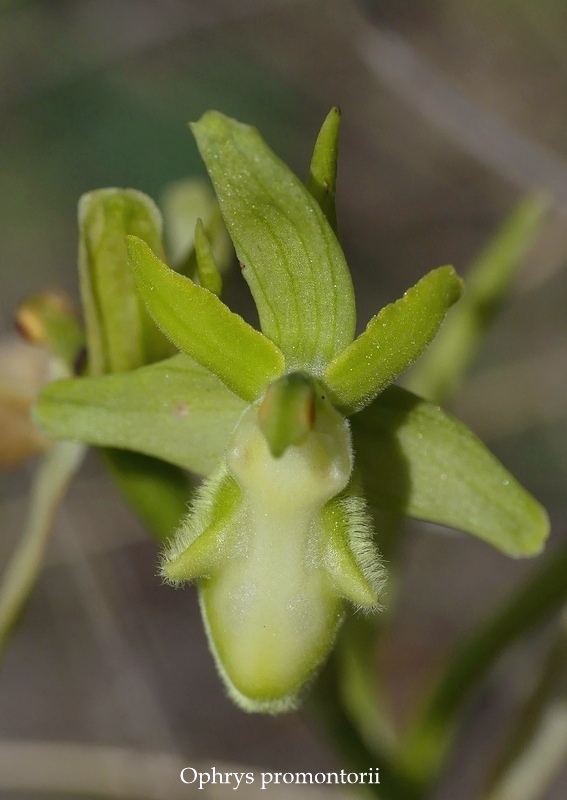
column 296, row 429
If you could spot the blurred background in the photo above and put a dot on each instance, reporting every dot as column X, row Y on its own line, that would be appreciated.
column 452, row 111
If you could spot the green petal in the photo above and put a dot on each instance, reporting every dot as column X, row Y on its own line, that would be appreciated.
column 174, row 410
column 202, row 326
column 393, row 339
column 322, row 179
column 289, row 253
column 209, row 274
column 418, row 460
column 120, row 334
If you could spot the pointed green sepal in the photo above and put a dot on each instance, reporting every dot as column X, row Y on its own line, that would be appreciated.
column 174, row 410
column 289, row 253
column 287, row 411
column 209, row 275
column 418, row 460
column 322, row 179
column 120, row 334
column 198, row 323
column 393, row 339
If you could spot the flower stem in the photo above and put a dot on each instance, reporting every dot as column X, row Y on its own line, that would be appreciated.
column 543, row 594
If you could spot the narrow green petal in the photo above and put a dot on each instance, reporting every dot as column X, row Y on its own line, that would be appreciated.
column 420, row 461
column 209, row 275
column 393, row 339
column 322, row 179
column 289, row 253
column 174, row 410
column 120, row 334
column 202, row 326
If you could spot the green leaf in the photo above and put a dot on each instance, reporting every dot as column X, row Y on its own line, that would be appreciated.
column 183, row 203
column 55, row 471
column 209, row 275
column 393, row 339
column 288, row 251
column 158, row 492
column 418, row 460
column 441, row 370
column 322, row 179
column 174, row 410
column 203, row 327
column 120, row 334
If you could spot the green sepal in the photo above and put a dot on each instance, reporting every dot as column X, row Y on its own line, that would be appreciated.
column 120, row 334
column 289, row 254
column 287, row 411
column 202, row 326
column 209, row 275
column 350, row 557
column 418, row 460
column 183, row 203
column 158, row 492
column 322, row 178
column 393, row 339
column 174, row 410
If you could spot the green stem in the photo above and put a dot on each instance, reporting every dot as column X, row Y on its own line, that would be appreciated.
column 55, row 471
column 442, row 369
column 544, row 593
column 358, row 757
column 536, row 749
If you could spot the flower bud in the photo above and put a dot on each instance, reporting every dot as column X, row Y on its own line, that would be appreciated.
column 23, row 370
